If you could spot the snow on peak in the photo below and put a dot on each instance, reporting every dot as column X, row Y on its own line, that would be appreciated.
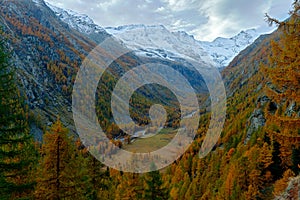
column 79, row 22
column 157, row 41
column 223, row 50
column 130, row 27
column 38, row 2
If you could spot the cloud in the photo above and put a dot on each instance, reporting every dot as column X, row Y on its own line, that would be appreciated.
column 206, row 19
column 106, row 5
column 227, row 17
column 180, row 5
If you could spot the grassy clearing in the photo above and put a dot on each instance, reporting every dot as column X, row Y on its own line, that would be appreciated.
column 145, row 145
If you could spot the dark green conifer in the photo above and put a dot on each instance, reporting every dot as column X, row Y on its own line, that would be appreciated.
column 17, row 152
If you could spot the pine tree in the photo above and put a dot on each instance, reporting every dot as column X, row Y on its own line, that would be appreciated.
column 296, row 161
column 61, row 173
column 153, row 185
column 17, row 152
column 100, row 185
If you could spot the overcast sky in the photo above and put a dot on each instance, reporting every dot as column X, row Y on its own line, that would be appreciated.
column 205, row 19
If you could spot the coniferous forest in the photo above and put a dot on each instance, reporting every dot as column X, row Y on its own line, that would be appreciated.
column 256, row 157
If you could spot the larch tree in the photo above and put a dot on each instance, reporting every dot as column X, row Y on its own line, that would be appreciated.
column 17, row 152
column 61, row 173
column 283, row 88
column 281, row 184
column 283, row 73
column 130, row 187
column 283, row 69
column 285, row 60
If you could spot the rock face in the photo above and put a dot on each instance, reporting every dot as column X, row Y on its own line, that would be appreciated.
column 246, row 64
column 292, row 192
column 256, row 121
column 291, row 109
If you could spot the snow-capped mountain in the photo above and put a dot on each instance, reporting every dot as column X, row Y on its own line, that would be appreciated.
column 223, row 50
column 79, row 22
column 158, row 41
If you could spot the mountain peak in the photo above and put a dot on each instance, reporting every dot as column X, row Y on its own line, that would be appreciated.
column 223, row 50
column 80, row 22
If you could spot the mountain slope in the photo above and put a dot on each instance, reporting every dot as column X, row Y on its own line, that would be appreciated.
column 259, row 149
column 47, row 54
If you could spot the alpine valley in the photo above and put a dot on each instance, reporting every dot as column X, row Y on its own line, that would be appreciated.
column 41, row 156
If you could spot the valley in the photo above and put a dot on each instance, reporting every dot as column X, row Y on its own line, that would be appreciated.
column 137, row 111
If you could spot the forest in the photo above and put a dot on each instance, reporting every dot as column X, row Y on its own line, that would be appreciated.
column 260, row 164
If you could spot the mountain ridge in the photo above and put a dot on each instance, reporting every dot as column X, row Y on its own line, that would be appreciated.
column 146, row 37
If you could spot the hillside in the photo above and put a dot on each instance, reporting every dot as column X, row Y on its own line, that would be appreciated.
column 47, row 54
column 259, row 148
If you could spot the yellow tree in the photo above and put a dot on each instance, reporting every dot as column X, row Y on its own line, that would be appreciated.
column 283, row 74
column 130, row 187
column 282, row 183
column 284, row 69
column 61, row 172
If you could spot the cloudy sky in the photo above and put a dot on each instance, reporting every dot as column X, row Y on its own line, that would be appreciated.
column 205, row 19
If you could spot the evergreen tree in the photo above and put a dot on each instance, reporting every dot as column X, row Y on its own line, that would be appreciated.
column 61, row 174
column 17, row 152
column 100, row 185
column 153, row 185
